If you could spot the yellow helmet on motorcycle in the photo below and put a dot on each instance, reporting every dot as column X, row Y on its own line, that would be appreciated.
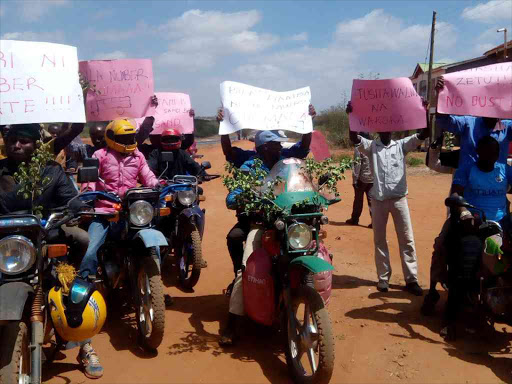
column 80, row 314
column 120, row 136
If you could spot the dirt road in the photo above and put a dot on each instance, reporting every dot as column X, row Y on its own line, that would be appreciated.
column 380, row 338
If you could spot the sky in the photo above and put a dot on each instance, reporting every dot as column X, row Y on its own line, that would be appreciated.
column 279, row 45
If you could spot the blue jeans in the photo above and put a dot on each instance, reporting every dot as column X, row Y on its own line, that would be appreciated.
column 98, row 231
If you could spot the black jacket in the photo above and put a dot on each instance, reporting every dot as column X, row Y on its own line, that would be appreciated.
column 183, row 164
column 57, row 193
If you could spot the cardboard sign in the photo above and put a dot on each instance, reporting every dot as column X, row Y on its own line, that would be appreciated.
column 246, row 106
column 124, row 88
column 483, row 91
column 172, row 112
column 386, row 106
column 319, row 146
column 39, row 83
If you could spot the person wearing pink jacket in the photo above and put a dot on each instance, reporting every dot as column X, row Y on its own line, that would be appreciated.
column 121, row 166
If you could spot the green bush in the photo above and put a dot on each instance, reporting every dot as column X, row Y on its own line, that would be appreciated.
column 414, row 161
column 333, row 122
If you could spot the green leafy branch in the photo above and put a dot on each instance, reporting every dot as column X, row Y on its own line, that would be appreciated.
column 30, row 176
column 449, row 140
column 328, row 173
column 253, row 198
column 86, row 84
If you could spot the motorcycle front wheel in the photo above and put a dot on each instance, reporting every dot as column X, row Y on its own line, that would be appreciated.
column 150, row 306
column 15, row 354
column 309, row 346
column 190, row 256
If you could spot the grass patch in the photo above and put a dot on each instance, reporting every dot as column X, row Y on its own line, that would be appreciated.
column 414, row 161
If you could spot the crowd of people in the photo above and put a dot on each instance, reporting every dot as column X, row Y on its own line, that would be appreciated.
column 126, row 160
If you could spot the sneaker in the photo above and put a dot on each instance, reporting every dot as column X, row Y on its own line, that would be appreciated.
column 352, row 222
column 227, row 337
column 429, row 303
column 414, row 288
column 90, row 362
column 204, row 263
column 382, row 286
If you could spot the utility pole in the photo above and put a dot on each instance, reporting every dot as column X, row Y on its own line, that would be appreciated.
column 429, row 78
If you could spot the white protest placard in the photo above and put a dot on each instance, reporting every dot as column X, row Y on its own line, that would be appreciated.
column 39, row 83
column 250, row 107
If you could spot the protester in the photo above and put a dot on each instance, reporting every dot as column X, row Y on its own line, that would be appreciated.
column 269, row 151
column 121, row 166
column 470, row 129
column 389, row 196
column 20, row 144
column 237, row 156
column 362, row 180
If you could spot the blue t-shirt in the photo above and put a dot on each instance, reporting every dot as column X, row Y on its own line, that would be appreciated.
column 471, row 129
column 486, row 190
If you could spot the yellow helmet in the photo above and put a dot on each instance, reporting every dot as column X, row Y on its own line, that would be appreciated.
column 80, row 315
column 120, row 136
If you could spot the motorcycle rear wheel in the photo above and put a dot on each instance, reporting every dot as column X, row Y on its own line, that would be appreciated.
column 309, row 347
column 15, row 354
column 189, row 260
column 150, row 306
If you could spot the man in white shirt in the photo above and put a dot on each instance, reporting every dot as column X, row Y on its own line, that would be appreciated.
column 389, row 195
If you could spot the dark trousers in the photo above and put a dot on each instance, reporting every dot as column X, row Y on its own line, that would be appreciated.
column 235, row 239
column 359, row 190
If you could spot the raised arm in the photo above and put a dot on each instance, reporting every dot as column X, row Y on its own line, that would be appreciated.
column 225, row 141
column 306, row 138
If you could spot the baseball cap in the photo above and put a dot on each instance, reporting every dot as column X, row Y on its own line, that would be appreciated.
column 264, row 137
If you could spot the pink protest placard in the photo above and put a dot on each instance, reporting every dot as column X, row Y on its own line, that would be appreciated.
column 386, row 106
column 483, row 91
column 319, row 146
column 172, row 112
column 124, row 88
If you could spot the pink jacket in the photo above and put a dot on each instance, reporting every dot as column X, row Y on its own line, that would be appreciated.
column 119, row 173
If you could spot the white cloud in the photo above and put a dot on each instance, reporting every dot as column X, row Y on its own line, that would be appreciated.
column 113, row 35
column 201, row 37
column 380, row 31
column 299, row 37
column 48, row 37
column 33, row 10
column 490, row 12
column 111, row 55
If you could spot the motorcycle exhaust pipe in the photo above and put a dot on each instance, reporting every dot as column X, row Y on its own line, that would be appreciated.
column 37, row 336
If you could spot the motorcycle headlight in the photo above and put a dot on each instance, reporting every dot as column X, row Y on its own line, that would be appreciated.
column 17, row 254
column 299, row 236
column 141, row 213
column 186, row 197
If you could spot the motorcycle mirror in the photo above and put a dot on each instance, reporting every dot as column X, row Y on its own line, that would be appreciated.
column 456, row 202
column 166, row 157
column 91, row 162
column 206, row 165
column 88, row 175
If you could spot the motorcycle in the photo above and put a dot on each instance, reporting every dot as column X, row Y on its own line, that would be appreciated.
column 27, row 261
column 130, row 259
column 287, row 281
column 478, row 270
column 184, row 226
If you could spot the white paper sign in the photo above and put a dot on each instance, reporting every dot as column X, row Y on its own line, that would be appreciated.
column 39, row 83
column 250, row 107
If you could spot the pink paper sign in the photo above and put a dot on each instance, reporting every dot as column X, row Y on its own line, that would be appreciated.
column 386, row 106
column 319, row 146
column 172, row 112
column 483, row 91
column 124, row 88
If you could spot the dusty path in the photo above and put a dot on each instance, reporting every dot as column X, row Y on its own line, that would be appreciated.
column 380, row 338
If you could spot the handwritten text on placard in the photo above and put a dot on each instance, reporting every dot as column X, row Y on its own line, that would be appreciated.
column 39, row 83
column 246, row 106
